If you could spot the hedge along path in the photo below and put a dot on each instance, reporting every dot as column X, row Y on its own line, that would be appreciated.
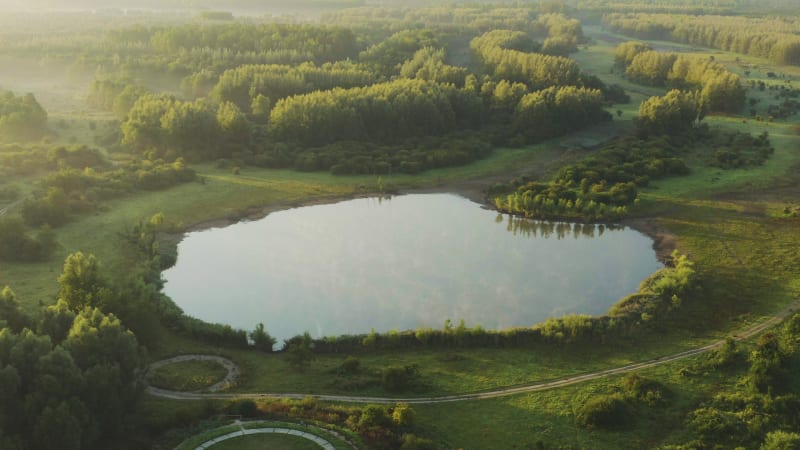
column 225, row 383
column 504, row 392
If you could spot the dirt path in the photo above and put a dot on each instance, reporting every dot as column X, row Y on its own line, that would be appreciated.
column 567, row 381
column 8, row 208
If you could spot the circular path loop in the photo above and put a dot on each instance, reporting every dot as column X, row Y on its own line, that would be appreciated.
column 503, row 392
column 267, row 430
column 225, row 383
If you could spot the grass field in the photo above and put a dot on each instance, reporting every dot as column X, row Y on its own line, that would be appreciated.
column 187, row 375
column 264, row 441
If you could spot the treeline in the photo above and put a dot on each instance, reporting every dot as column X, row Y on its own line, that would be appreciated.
column 498, row 52
column 458, row 18
column 718, row 89
column 256, row 88
column 187, row 49
column 383, row 112
column 772, row 38
column 21, row 117
column 164, row 126
column 114, row 93
column 660, row 294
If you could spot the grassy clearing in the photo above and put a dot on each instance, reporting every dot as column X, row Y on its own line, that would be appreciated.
column 522, row 421
column 187, row 375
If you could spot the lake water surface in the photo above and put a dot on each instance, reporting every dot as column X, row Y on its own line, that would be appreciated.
column 402, row 263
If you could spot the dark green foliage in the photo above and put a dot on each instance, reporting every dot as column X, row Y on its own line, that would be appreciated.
column 674, row 113
column 412, row 442
column 21, row 117
column 386, row 57
column 71, row 191
column 740, row 150
column 70, row 396
column 17, row 244
column 429, row 64
column 727, row 356
column 781, row 440
column 536, row 70
column 299, row 353
column 247, row 408
column 349, row 366
column 768, row 372
column 398, row 379
column 11, row 316
column 374, row 416
column 603, row 185
column 383, row 112
column 644, row 390
column 606, row 411
column 262, row 341
column 243, row 84
column 556, row 110
column 717, row 89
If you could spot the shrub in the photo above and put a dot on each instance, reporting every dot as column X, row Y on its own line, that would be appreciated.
column 606, row 411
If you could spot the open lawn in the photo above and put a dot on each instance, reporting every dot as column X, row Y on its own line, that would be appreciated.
column 266, row 441
column 187, row 375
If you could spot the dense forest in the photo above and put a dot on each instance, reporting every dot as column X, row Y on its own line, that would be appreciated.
column 767, row 38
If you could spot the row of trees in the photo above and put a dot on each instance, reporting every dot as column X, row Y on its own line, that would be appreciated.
column 21, row 117
column 197, row 129
column 255, row 88
column 773, row 38
column 382, row 112
column 718, row 89
column 508, row 55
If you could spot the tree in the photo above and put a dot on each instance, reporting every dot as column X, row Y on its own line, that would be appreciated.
column 80, row 284
column 11, row 315
column 262, row 341
column 673, row 113
column 298, row 352
column 781, row 440
column 403, row 415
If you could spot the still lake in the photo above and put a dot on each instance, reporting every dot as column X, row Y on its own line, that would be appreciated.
column 402, row 263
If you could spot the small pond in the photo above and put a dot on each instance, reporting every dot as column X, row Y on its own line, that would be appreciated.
column 402, row 263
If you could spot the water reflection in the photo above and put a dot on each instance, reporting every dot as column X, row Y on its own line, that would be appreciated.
column 520, row 226
column 401, row 263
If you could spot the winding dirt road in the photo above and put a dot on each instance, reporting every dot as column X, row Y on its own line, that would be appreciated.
column 503, row 392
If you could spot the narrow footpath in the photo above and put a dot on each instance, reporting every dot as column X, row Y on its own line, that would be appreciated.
column 504, row 392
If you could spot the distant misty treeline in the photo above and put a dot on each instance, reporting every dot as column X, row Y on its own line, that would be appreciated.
column 166, row 4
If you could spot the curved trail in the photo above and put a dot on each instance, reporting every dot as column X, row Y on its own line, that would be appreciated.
column 503, row 392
